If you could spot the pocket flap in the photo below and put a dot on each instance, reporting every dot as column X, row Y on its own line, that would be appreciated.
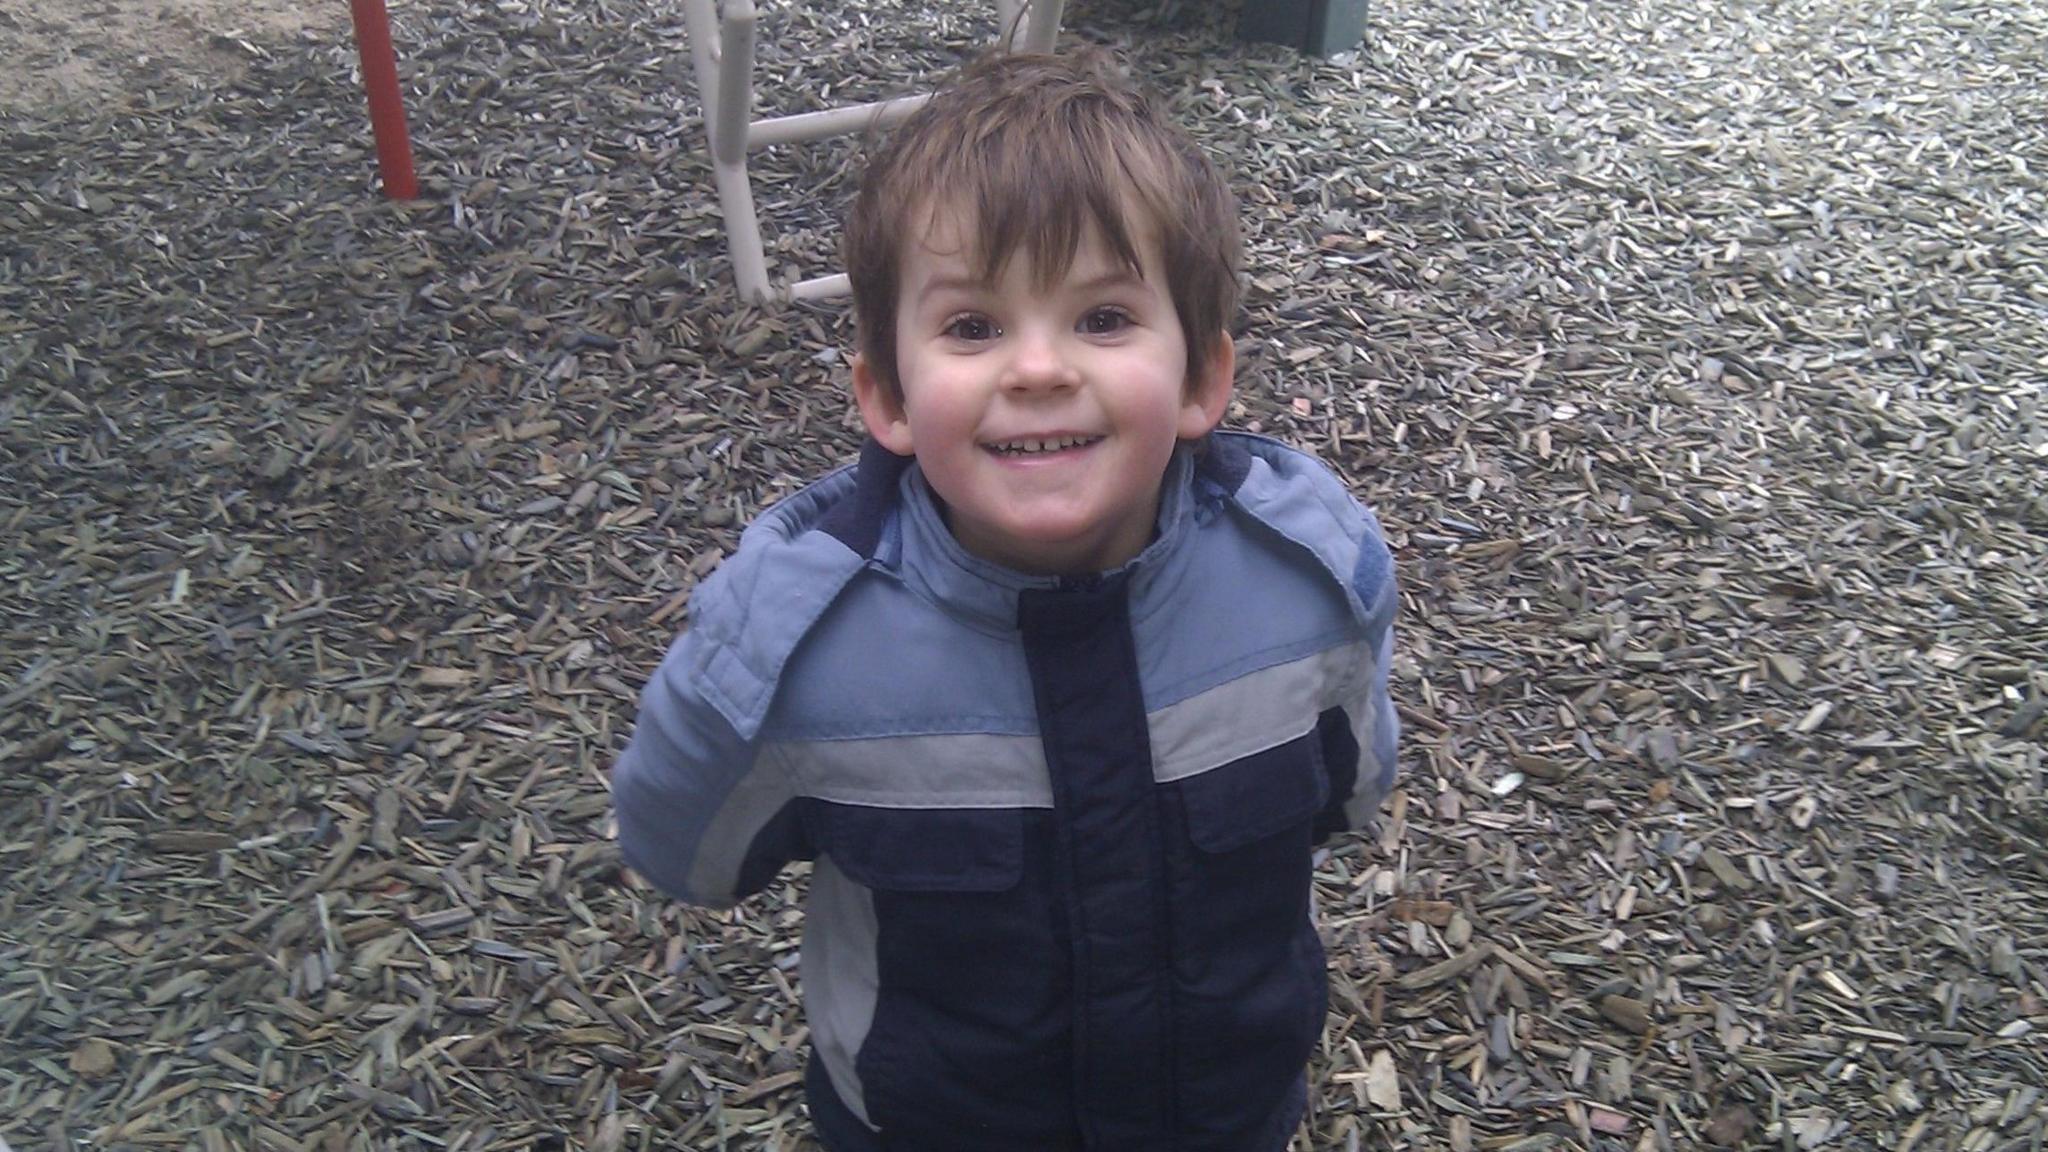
column 1256, row 796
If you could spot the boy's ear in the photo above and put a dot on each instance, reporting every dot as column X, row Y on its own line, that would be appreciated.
column 880, row 409
column 1208, row 394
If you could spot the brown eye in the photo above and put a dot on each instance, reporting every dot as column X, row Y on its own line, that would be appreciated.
column 1105, row 321
column 973, row 329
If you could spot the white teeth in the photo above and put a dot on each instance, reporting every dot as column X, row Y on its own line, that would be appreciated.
column 1028, row 446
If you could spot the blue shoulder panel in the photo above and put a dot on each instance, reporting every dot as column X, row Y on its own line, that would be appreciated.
column 1298, row 497
column 791, row 565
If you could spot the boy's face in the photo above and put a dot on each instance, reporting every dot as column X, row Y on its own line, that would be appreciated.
column 1044, row 419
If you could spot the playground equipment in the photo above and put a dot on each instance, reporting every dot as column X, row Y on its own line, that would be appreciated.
column 722, row 49
column 722, row 52
column 387, row 107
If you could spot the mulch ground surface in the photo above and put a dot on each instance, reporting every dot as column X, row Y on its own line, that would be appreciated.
column 1694, row 356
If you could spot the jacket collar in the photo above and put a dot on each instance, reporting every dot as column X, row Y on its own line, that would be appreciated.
column 923, row 553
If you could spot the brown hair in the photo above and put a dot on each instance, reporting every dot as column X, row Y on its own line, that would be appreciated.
column 1032, row 149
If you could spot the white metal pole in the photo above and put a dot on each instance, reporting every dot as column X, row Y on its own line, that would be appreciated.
column 735, row 82
column 701, row 17
column 724, row 60
column 831, row 121
column 822, row 288
column 1044, row 27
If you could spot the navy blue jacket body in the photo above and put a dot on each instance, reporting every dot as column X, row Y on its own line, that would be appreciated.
column 1062, row 827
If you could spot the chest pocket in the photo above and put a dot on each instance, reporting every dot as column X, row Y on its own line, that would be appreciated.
column 970, row 986
column 921, row 849
column 1248, row 971
column 1257, row 797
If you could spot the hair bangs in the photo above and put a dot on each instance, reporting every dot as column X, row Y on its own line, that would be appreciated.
column 1035, row 194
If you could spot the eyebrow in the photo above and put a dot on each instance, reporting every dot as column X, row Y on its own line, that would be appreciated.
column 952, row 284
column 1117, row 277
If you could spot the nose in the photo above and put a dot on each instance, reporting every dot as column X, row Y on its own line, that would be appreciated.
column 1038, row 361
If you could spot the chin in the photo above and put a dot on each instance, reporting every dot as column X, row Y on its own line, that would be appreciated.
column 1055, row 534
column 1085, row 546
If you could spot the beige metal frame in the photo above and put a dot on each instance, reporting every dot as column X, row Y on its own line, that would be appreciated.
column 722, row 49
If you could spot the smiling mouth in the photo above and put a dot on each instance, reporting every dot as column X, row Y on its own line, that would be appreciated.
column 1041, row 445
column 1037, row 447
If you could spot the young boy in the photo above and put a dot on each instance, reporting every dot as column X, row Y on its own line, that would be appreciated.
column 1058, row 686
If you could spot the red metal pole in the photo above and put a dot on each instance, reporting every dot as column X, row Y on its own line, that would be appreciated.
column 387, row 107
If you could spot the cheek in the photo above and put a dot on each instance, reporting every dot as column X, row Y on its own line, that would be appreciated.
column 1159, row 406
column 943, row 425
column 934, row 403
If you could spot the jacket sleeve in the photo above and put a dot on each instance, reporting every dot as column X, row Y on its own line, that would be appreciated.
column 1361, row 736
column 700, row 813
column 1377, row 729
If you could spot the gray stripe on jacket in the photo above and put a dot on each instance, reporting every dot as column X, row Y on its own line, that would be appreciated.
column 939, row 770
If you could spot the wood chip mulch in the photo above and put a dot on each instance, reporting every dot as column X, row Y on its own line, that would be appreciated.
column 1693, row 353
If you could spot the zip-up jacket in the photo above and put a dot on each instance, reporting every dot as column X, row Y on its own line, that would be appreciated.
column 1062, row 827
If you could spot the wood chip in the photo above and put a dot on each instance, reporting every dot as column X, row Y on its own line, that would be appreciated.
column 341, row 534
column 1627, row 1013
column 1449, row 969
column 1382, row 1082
